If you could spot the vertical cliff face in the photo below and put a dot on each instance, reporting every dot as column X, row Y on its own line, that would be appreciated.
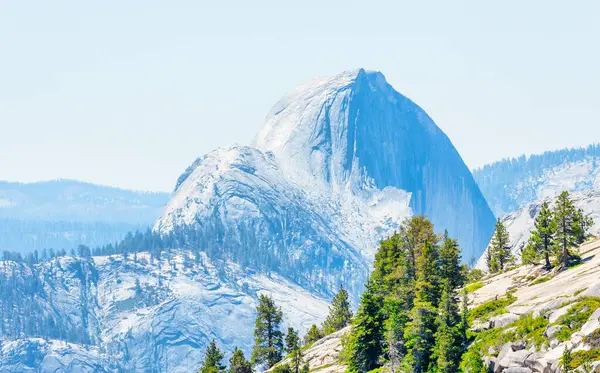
column 354, row 132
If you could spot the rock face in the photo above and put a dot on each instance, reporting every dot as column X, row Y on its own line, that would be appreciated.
column 137, row 314
column 551, row 300
column 519, row 224
column 339, row 163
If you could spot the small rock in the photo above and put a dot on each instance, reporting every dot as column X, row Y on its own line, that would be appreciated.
column 519, row 345
column 551, row 330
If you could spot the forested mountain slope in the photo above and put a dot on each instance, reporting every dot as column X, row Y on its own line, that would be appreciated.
column 512, row 183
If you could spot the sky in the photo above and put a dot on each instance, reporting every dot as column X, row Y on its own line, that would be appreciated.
column 129, row 93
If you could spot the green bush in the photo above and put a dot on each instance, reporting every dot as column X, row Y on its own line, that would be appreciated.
column 540, row 280
column 580, row 356
column 492, row 308
column 577, row 315
column 475, row 275
column 471, row 288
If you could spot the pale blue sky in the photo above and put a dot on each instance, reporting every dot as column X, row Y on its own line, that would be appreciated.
column 129, row 93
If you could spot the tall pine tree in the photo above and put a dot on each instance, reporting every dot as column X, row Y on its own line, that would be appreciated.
column 565, row 217
column 268, row 338
column 339, row 312
column 541, row 243
column 212, row 359
column 292, row 347
column 366, row 341
column 238, row 362
column 500, row 248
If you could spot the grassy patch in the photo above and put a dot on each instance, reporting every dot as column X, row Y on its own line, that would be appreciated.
column 491, row 308
column 471, row 288
column 579, row 357
column 577, row 315
column 540, row 280
column 579, row 292
column 527, row 328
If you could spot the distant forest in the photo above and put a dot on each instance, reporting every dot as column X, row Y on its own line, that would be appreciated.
column 26, row 235
column 499, row 181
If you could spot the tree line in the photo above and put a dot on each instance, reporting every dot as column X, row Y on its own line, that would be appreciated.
column 557, row 231
column 271, row 344
column 410, row 316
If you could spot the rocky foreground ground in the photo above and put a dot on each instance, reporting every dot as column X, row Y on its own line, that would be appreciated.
column 524, row 318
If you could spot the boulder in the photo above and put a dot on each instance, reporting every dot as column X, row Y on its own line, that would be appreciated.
column 592, row 291
column 513, row 359
column 481, row 326
column 537, row 363
column 592, row 324
column 503, row 320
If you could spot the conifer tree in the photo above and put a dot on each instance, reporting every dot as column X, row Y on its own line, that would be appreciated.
column 419, row 332
column 366, row 341
column 541, row 242
column 339, row 312
column 212, row 360
column 565, row 218
column 448, row 340
column 312, row 335
column 449, row 262
column 268, row 338
column 581, row 225
column 565, row 360
column 238, row 362
column 500, row 248
column 292, row 347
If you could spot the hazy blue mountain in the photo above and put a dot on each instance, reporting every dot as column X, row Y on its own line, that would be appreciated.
column 513, row 183
column 65, row 213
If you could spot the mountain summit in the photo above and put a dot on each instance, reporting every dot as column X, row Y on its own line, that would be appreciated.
column 338, row 164
column 354, row 130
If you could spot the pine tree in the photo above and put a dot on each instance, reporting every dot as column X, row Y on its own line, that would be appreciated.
column 581, row 225
column 339, row 312
column 268, row 338
column 448, row 340
column 419, row 332
column 238, row 362
column 566, row 360
column 313, row 334
column 292, row 347
column 500, row 248
column 541, row 242
column 449, row 262
column 212, row 360
column 565, row 217
column 366, row 341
